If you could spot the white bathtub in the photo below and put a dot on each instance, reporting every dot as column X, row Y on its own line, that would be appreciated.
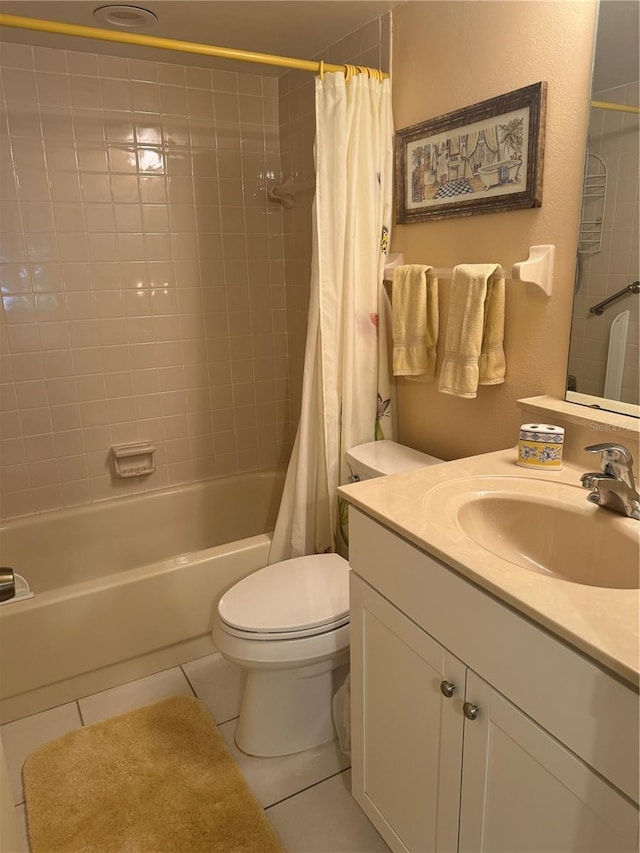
column 125, row 587
column 498, row 174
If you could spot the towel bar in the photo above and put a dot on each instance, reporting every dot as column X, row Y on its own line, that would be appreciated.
column 536, row 271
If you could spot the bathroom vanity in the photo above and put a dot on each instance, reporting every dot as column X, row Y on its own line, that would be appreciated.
column 494, row 705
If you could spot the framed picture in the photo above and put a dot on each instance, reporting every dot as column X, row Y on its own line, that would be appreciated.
column 484, row 158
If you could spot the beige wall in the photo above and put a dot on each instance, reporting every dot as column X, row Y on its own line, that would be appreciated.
column 197, row 357
column 450, row 55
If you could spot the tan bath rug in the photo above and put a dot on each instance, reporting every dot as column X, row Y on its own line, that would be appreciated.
column 156, row 780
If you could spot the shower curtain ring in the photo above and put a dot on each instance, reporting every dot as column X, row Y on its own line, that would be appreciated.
column 321, row 69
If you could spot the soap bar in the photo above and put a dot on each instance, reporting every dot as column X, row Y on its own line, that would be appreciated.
column 540, row 446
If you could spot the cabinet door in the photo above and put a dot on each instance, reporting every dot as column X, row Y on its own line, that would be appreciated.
column 523, row 792
column 406, row 735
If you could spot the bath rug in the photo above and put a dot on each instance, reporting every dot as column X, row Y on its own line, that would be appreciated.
column 155, row 780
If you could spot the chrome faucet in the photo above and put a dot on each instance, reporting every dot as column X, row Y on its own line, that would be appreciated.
column 614, row 486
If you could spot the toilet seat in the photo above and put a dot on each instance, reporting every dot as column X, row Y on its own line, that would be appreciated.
column 302, row 597
column 294, row 634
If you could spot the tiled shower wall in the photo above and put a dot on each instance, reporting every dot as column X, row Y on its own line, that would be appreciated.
column 150, row 290
column 143, row 281
column 614, row 136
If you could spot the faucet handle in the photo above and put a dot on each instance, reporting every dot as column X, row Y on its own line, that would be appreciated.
column 617, row 461
column 612, row 452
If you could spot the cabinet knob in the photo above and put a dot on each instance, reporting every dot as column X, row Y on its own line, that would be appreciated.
column 447, row 689
column 470, row 711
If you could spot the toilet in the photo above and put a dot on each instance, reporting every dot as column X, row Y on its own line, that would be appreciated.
column 287, row 627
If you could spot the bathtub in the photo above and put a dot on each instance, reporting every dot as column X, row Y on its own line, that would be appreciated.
column 125, row 587
column 498, row 174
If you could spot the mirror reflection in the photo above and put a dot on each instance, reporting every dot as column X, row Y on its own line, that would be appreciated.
column 604, row 352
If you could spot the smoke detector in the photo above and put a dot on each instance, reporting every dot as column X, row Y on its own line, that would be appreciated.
column 125, row 17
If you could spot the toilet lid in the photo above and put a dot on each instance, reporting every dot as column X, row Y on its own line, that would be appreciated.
column 300, row 594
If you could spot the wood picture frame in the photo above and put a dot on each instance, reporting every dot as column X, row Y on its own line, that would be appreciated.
column 485, row 158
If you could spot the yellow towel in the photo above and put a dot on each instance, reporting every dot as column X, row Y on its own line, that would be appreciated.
column 474, row 352
column 415, row 322
column 492, row 366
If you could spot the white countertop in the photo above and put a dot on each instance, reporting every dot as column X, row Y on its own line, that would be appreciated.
column 601, row 622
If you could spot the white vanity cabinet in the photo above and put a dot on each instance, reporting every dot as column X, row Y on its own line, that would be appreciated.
column 473, row 729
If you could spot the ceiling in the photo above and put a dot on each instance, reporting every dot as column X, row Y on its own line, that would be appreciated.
column 302, row 29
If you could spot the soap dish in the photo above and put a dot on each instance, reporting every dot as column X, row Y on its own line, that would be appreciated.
column 133, row 460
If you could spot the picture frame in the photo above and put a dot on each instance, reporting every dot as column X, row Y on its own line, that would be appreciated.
column 485, row 158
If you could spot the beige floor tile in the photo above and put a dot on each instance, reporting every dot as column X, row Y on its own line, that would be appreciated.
column 218, row 684
column 273, row 779
column 21, row 737
column 136, row 694
column 325, row 819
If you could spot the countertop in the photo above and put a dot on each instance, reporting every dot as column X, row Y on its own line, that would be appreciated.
column 602, row 623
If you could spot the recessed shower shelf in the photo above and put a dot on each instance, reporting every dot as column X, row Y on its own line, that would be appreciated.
column 536, row 271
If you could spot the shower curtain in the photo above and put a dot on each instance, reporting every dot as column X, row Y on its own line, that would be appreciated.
column 346, row 397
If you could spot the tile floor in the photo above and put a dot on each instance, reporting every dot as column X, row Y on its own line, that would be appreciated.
column 306, row 796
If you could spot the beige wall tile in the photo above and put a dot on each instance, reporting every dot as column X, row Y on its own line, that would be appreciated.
column 109, row 336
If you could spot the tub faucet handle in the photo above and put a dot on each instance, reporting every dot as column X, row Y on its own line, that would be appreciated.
column 7, row 583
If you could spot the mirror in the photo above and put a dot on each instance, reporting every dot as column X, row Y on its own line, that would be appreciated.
column 604, row 354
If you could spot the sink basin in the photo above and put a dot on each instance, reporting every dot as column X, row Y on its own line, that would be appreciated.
column 544, row 527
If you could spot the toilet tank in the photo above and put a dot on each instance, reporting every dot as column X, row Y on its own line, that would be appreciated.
column 378, row 458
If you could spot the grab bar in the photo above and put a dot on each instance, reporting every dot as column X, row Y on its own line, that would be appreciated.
column 634, row 287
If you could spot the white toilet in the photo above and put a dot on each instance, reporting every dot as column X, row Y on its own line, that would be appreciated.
column 287, row 626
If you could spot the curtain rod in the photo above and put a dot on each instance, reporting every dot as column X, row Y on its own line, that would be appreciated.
column 60, row 28
column 607, row 105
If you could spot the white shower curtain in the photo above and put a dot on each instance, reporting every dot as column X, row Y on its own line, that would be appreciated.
column 346, row 397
